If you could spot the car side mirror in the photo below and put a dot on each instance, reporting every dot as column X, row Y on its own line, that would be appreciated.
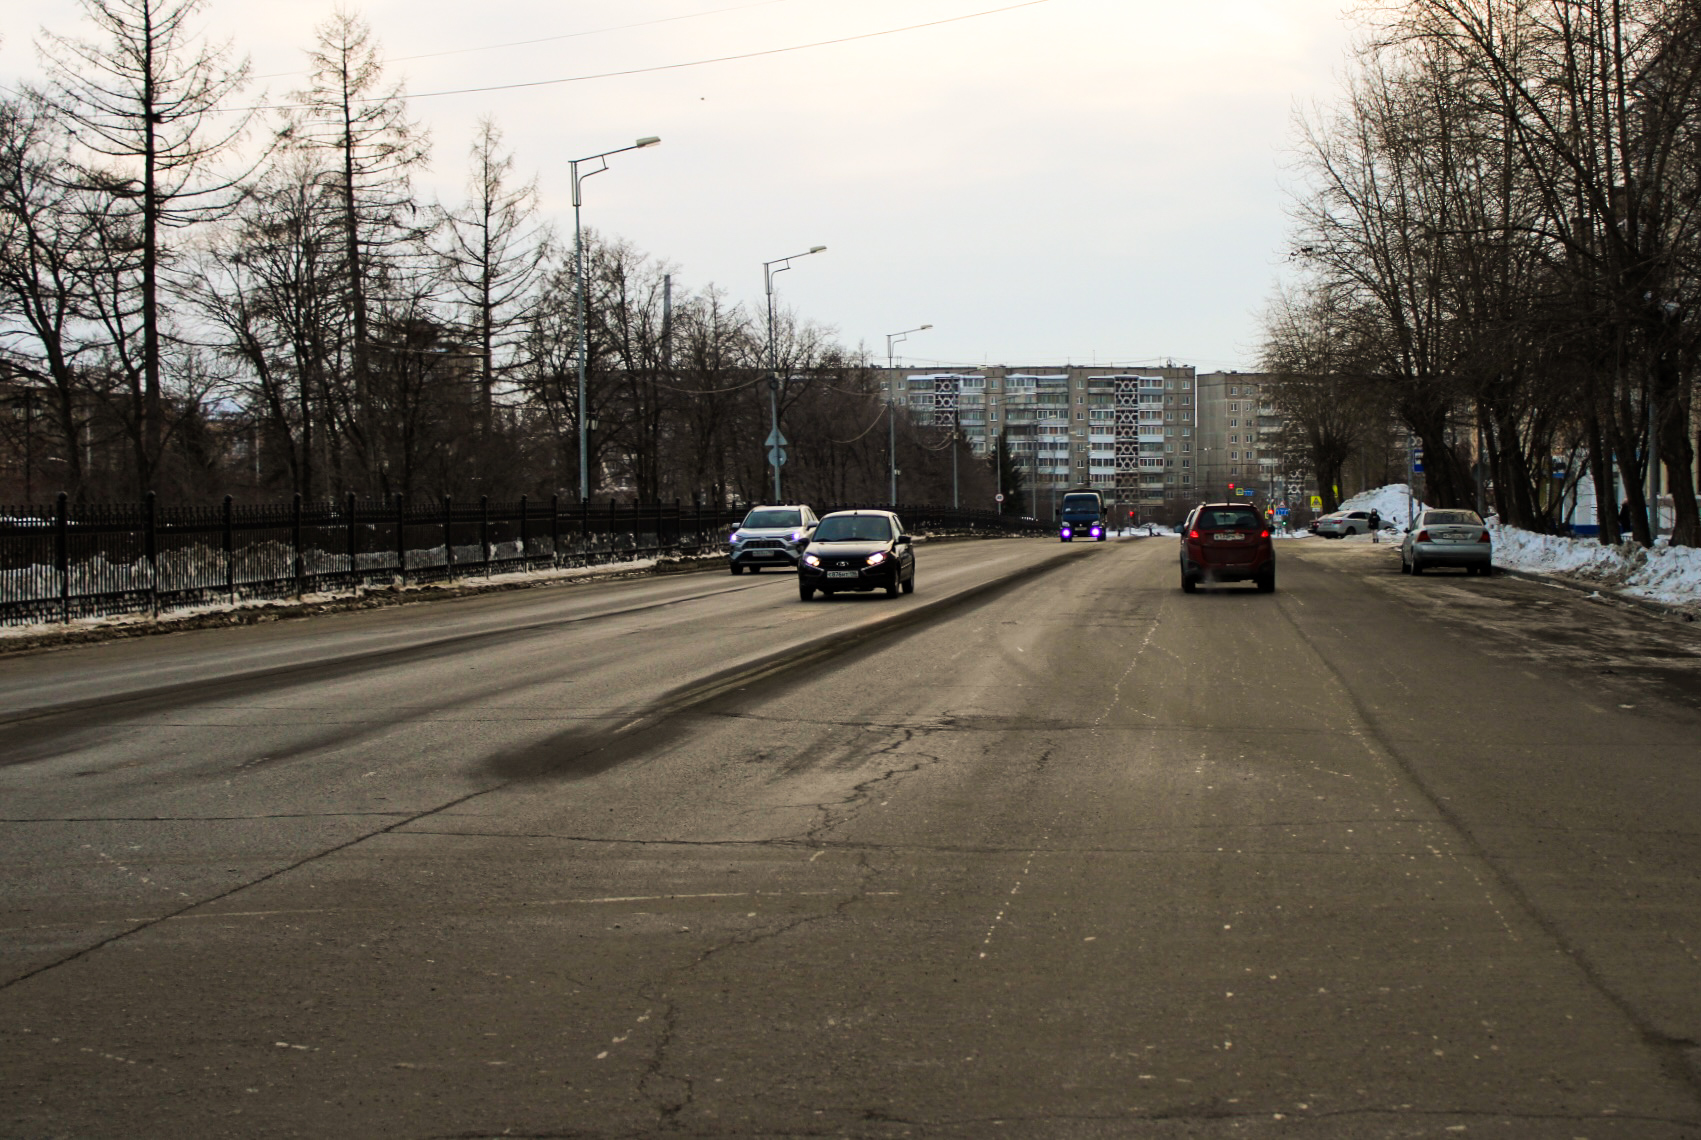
column 903, row 540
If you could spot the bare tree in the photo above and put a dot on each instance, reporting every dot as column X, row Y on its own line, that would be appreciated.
column 271, row 287
column 145, row 105
column 357, row 126
column 495, row 250
column 46, row 235
column 1310, row 346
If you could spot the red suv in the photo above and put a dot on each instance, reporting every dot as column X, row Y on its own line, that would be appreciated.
column 1226, row 542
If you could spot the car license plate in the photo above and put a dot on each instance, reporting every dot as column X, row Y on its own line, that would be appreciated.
column 1231, row 537
column 841, row 573
column 761, row 554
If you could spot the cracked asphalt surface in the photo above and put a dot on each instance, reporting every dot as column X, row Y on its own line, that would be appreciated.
column 1047, row 849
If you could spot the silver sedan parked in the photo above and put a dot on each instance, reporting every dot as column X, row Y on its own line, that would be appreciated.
column 1342, row 523
column 1447, row 538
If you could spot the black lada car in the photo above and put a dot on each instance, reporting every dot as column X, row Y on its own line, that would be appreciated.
column 857, row 550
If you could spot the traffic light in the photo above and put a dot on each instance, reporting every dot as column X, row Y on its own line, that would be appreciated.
column 1231, row 488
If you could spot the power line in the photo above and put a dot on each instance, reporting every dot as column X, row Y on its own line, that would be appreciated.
column 694, row 62
column 562, row 36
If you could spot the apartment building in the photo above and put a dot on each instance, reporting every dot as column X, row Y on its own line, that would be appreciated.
column 1239, row 436
column 1126, row 432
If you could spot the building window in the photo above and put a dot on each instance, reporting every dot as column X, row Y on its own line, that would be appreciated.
column 1186, row 463
column 1186, row 448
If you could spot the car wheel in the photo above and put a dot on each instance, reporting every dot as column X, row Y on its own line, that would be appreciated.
column 909, row 584
column 1266, row 583
column 737, row 569
column 806, row 591
column 1405, row 567
column 894, row 587
column 1417, row 567
column 1188, row 584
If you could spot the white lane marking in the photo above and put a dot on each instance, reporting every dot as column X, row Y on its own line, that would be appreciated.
column 135, row 875
column 1003, row 910
column 621, row 1040
column 1116, row 689
column 541, row 902
column 1488, row 895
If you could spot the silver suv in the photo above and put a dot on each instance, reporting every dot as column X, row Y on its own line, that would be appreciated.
column 770, row 536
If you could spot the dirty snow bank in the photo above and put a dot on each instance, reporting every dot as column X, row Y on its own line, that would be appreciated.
column 1666, row 575
column 1671, row 575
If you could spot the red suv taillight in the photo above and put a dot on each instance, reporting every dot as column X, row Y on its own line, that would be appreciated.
column 1423, row 536
column 1263, row 534
column 1192, row 534
column 1484, row 537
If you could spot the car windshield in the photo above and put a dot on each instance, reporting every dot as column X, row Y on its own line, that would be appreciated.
column 853, row 528
column 1080, row 504
column 1217, row 518
column 772, row 519
column 1442, row 518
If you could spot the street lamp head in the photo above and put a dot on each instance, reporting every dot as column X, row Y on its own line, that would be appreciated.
column 816, row 248
column 649, row 140
column 923, row 328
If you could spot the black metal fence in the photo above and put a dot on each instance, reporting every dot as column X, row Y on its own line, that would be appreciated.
column 67, row 561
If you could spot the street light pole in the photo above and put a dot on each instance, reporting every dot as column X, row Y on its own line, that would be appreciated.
column 892, row 406
column 774, row 447
column 579, row 294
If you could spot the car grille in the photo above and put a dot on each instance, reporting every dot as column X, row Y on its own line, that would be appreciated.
column 840, row 563
column 764, row 544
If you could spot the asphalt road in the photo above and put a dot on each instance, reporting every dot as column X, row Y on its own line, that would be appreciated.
column 1046, row 849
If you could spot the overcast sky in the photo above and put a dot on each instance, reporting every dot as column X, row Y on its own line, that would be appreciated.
column 1085, row 181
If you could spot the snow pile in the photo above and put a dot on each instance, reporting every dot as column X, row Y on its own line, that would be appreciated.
column 1671, row 575
column 1392, row 502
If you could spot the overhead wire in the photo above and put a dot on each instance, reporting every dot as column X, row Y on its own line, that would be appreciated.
column 556, row 38
column 728, row 58
column 687, row 63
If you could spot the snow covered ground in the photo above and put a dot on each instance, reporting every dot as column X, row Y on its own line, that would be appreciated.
column 1663, row 574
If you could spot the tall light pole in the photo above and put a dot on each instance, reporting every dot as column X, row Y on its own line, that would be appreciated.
column 579, row 293
column 892, row 405
column 775, row 446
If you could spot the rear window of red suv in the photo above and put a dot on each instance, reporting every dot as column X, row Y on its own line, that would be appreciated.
column 1221, row 518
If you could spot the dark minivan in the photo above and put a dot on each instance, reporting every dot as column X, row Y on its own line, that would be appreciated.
column 1226, row 542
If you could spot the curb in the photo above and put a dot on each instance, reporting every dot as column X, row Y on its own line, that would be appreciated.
column 60, row 637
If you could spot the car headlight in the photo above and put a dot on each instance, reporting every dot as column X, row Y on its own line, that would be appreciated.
column 811, row 560
column 1097, row 532
column 736, row 538
column 796, row 535
column 1066, row 532
column 877, row 558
